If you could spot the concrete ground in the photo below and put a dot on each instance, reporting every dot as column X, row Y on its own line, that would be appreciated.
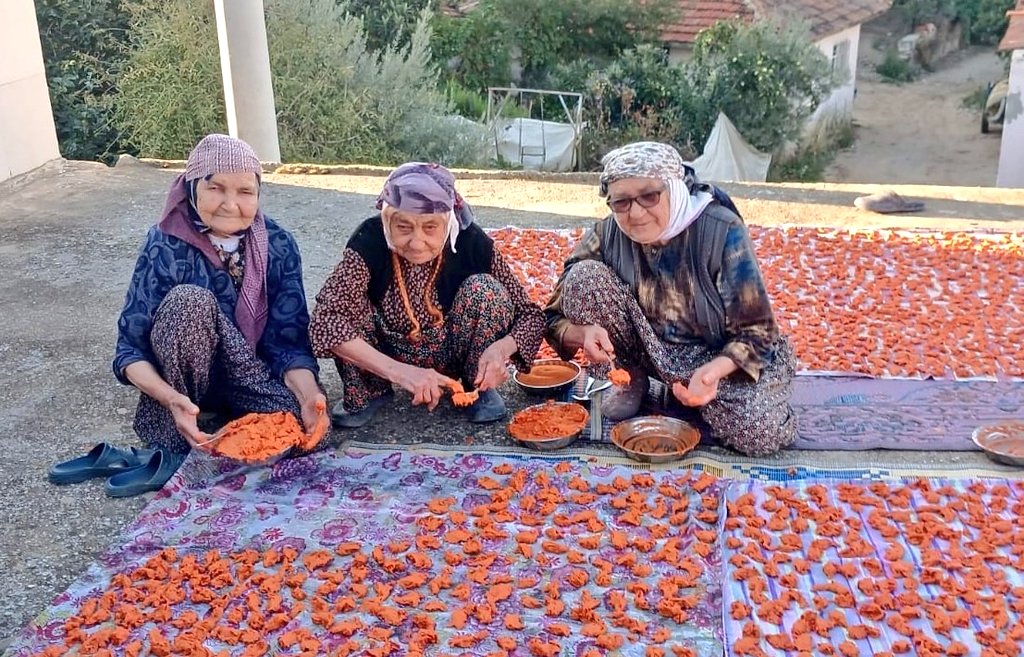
column 70, row 236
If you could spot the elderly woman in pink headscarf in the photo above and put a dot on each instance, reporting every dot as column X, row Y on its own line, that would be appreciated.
column 215, row 315
column 422, row 299
column 669, row 287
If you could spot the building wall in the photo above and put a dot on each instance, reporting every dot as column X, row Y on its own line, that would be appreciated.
column 27, row 135
column 842, row 50
column 1011, row 151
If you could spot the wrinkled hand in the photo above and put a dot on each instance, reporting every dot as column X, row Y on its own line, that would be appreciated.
column 185, row 414
column 701, row 390
column 492, row 369
column 597, row 345
column 425, row 384
column 310, row 413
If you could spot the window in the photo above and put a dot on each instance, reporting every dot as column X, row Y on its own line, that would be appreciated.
column 841, row 58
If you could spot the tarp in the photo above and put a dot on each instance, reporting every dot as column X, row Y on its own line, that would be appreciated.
column 536, row 145
column 728, row 157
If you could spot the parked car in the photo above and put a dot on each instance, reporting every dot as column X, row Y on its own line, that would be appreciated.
column 995, row 106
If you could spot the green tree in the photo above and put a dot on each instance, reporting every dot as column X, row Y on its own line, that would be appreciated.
column 768, row 78
column 539, row 35
column 83, row 49
column 387, row 22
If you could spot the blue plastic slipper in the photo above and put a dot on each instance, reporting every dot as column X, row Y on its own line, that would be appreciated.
column 103, row 460
column 151, row 476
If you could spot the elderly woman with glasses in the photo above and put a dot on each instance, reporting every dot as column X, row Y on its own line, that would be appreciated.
column 669, row 287
column 423, row 300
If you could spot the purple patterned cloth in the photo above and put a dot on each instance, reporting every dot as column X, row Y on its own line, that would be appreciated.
column 320, row 501
column 969, row 510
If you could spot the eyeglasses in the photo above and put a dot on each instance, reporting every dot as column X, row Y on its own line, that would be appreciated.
column 645, row 200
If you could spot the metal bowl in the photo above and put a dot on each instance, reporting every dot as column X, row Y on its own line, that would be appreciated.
column 1003, row 442
column 557, row 442
column 655, row 439
column 572, row 371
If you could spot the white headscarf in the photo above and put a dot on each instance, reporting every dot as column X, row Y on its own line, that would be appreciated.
column 650, row 159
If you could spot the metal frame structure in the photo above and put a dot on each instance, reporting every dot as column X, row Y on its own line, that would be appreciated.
column 498, row 98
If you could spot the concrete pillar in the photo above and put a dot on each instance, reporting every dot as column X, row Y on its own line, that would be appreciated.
column 245, row 64
column 1011, row 150
column 28, row 138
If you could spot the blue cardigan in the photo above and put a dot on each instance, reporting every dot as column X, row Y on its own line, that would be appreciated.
column 165, row 261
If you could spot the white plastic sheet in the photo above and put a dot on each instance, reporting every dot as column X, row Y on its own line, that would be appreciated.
column 536, row 145
column 728, row 157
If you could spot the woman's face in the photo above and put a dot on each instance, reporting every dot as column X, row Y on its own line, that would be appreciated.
column 418, row 238
column 627, row 198
column 228, row 202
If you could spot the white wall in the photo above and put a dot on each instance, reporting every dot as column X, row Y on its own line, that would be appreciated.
column 1011, row 151
column 27, row 135
column 840, row 103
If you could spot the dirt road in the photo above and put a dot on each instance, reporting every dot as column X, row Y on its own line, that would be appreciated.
column 920, row 132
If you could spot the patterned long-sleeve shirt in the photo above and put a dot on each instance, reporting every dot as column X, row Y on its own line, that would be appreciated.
column 665, row 289
column 344, row 311
column 165, row 261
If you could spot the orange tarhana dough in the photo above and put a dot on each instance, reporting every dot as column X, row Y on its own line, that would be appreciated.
column 619, row 377
column 259, row 436
column 319, row 429
column 549, row 420
column 550, row 374
column 460, row 397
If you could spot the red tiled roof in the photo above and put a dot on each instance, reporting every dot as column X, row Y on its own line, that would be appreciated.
column 1014, row 37
column 824, row 17
column 695, row 16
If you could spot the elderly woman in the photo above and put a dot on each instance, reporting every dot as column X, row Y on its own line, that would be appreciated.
column 215, row 316
column 422, row 299
column 668, row 286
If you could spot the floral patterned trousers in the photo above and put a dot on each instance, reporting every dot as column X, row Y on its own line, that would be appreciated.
column 480, row 315
column 753, row 417
column 202, row 354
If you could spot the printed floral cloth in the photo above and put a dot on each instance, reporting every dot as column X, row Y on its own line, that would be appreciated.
column 925, row 566
column 406, row 553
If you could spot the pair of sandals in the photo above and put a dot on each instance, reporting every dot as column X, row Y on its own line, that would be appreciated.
column 130, row 471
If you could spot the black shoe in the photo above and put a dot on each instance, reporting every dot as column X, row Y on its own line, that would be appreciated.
column 489, row 407
column 345, row 420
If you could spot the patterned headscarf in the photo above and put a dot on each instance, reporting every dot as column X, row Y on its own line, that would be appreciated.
column 651, row 159
column 422, row 188
column 223, row 154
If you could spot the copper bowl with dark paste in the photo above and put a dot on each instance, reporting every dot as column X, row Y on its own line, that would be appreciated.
column 1003, row 442
column 655, row 439
column 548, row 376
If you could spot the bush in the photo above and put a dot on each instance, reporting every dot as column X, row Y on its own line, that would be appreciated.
column 83, row 49
column 895, row 69
column 171, row 90
column 767, row 78
column 638, row 96
column 336, row 100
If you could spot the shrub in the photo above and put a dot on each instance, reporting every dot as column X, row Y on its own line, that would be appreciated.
column 171, row 90
column 83, row 49
column 336, row 100
column 768, row 78
column 895, row 69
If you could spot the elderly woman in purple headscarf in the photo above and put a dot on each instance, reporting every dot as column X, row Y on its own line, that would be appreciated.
column 668, row 286
column 215, row 316
column 422, row 298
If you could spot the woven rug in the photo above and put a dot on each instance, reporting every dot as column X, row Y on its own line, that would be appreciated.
column 376, row 552
column 926, row 567
column 848, row 413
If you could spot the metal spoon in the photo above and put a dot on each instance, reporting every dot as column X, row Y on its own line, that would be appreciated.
column 591, row 388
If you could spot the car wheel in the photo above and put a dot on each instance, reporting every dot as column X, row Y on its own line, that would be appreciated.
column 984, row 125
